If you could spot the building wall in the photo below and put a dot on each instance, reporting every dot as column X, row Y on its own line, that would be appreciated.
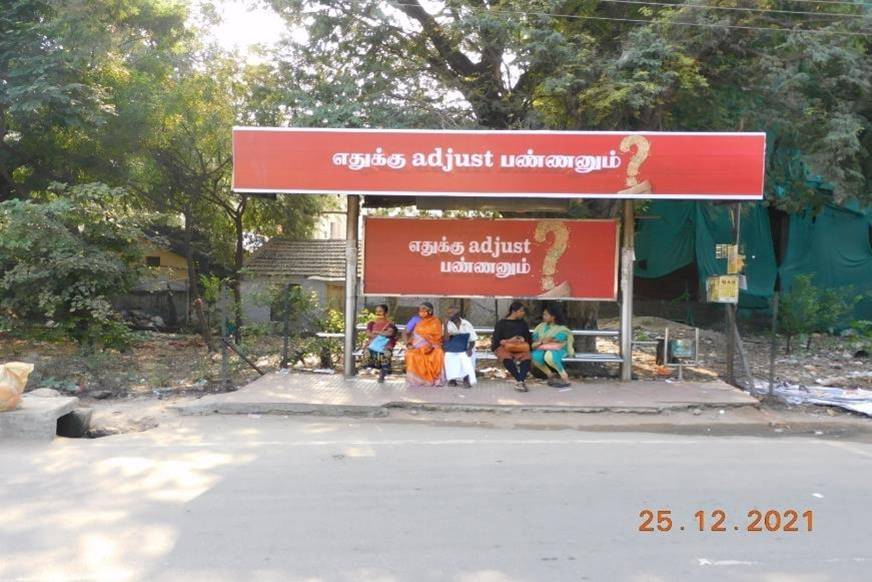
column 171, row 306
column 173, row 267
column 256, row 306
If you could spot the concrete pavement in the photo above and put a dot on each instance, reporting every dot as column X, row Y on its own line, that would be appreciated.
column 227, row 498
column 332, row 394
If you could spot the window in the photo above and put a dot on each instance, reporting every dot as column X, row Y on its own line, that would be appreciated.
column 152, row 261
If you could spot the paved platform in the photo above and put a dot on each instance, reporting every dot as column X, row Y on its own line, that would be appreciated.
column 36, row 418
column 298, row 392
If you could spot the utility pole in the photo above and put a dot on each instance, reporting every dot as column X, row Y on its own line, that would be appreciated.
column 628, row 257
column 351, row 239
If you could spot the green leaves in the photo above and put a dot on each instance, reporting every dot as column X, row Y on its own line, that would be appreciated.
column 64, row 255
column 588, row 65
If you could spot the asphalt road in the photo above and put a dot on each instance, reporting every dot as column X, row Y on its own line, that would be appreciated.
column 270, row 498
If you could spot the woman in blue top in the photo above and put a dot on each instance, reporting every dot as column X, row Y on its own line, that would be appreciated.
column 552, row 342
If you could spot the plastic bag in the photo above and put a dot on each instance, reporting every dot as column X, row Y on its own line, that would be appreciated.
column 13, row 378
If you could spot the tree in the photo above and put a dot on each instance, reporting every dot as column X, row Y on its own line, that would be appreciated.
column 64, row 255
column 61, row 62
column 185, row 162
column 572, row 64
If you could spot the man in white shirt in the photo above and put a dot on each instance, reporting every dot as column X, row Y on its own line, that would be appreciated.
column 459, row 346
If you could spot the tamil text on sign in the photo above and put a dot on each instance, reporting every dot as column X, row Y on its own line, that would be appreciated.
column 726, row 166
column 569, row 259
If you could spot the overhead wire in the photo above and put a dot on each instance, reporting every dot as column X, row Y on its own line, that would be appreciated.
column 663, row 23
column 735, row 8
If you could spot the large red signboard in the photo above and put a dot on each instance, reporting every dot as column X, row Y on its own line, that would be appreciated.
column 569, row 259
column 725, row 166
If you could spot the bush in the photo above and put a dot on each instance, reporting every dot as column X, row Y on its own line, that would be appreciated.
column 806, row 309
column 63, row 255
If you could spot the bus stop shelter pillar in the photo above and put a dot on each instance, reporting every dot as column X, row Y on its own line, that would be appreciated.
column 351, row 255
column 628, row 257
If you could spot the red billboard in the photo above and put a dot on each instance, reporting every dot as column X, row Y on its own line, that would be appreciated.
column 576, row 164
column 529, row 258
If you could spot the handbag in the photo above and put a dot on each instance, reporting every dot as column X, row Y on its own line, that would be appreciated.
column 517, row 346
column 378, row 344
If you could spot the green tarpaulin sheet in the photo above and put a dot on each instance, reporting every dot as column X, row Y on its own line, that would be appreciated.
column 833, row 246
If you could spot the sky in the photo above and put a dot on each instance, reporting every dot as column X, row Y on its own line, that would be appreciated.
column 244, row 24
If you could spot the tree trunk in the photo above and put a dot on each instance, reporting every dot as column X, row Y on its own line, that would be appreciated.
column 189, row 258
column 197, row 303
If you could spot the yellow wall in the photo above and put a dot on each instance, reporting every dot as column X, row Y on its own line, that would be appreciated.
column 173, row 266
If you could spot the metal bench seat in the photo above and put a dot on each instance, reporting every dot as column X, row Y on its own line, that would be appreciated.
column 487, row 355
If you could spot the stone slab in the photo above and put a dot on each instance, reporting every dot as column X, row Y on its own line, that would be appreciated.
column 333, row 394
column 36, row 418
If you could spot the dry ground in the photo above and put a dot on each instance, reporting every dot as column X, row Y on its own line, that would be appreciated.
column 162, row 364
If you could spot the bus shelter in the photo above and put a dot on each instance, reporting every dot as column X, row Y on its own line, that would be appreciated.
column 528, row 258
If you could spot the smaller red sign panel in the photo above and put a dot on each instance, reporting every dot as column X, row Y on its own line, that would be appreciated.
column 524, row 258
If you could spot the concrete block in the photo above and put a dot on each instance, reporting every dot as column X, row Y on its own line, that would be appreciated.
column 36, row 418
column 75, row 424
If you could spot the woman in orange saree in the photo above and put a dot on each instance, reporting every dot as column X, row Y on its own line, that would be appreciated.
column 424, row 356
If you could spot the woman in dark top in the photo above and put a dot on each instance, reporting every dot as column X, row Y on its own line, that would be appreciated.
column 511, row 343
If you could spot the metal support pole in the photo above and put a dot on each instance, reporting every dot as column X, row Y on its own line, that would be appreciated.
column 729, row 330
column 351, row 236
column 773, row 346
column 628, row 256
column 286, row 331
column 222, row 311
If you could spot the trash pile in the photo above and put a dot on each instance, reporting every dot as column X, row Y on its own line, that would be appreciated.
column 13, row 378
column 853, row 399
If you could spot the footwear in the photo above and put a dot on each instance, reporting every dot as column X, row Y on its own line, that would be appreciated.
column 381, row 377
column 561, row 384
column 452, row 383
column 521, row 386
column 552, row 381
column 466, row 383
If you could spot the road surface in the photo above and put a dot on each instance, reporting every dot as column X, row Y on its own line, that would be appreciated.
column 300, row 499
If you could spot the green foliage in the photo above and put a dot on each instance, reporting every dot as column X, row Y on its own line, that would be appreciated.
column 211, row 285
column 798, row 309
column 64, row 255
column 807, row 308
column 862, row 329
column 834, row 308
column 575, row 64
column 64, row 66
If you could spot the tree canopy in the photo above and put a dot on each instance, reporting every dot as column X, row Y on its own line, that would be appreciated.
column 801, row 71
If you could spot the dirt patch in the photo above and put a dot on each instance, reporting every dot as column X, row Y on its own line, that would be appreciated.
column 830, row 361
column 157, row 365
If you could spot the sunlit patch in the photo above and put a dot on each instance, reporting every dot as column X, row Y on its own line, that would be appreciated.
column 356, row 452
column 486, row 576
column 320, row 427
column 178, row 480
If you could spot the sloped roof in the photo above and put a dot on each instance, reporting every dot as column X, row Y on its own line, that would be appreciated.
column 301, row 258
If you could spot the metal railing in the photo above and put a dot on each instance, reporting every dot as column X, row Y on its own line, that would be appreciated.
column 598, row 357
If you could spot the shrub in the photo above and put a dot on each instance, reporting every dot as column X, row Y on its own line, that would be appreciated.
column 63, row 255
column 806, row 308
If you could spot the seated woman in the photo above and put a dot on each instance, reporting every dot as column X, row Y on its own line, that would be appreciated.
column 459, row 346
column 552, row 341
column 424, row 356
column 511, row 344
column 381, row 336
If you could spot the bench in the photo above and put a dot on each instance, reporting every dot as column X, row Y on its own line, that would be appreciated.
column 595, row 357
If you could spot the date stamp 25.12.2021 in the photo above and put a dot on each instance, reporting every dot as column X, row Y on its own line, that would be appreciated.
column 717, row 520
